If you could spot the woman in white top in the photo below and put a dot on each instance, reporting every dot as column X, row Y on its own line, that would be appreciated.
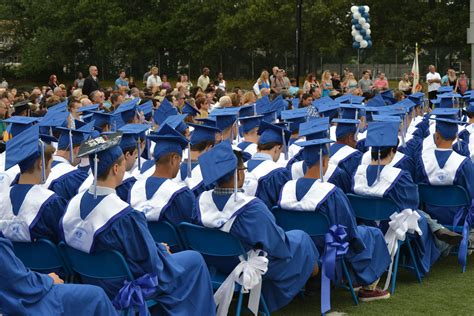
column 153, row 80
column 220, row 79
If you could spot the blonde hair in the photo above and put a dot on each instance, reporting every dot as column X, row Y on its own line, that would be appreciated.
column 262, row 75
column 326, row 74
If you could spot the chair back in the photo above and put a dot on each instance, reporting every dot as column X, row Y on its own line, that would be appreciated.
column 108, row 264
column 313, row 223
column 210, row 241
column 41, row 256
column 444, row 196
column 372, row 208
column 164, row 231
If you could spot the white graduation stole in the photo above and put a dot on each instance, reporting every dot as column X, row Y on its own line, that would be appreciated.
column 367, row 158
column 471, row 146
column 251, row 149
column 297, row 170
column 17, row 227
column 388, row 175
column 158, row 203
column 343, row 153
column 59, row 170
column 332, row 133
column 213, row 218
column 80, row 233
column 293, row 150
column 253, row 177
column 436, row 174
column 362, row 136
column 317, row 194
column 193, row 182
column 329, row 172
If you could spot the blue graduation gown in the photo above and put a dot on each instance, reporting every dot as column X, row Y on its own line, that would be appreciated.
column 292, row 255
column 244, row 144
column 47, row 225
column 184, row 286
column 269, row 186
column 339, row 178
column 67, row 185
column 24, row 292
column 198, row 189
column 123, row 189
column 350, row 163
column 404, row 192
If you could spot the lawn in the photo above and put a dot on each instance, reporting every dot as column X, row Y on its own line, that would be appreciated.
column 444, row 291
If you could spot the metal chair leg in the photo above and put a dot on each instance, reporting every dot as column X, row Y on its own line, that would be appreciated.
column 395, row 270
column 239, row 303
column 413, row 258
column 349, row 281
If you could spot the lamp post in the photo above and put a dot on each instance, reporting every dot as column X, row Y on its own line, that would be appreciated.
column 299, row 4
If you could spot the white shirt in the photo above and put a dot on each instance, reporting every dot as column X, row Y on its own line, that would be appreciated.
column 434, row 86
column 153, row 81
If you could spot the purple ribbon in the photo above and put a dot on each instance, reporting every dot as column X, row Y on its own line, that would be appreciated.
column 336, row 246
column 468, row 212
column 135, row 293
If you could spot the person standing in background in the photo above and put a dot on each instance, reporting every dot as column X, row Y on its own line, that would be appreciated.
column 434, row 83
column 91, row 83
column 203, row 80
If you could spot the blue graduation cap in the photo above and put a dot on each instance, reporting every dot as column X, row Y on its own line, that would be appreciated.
column 270, row 133
column 445, row 89
column 376, row 101
column 382, row 134
column 87, row 117
column 177, row 122
column 24, row 149
column 451, row 113
column 146, row 108
column 393, row 110
column 70, row 138
column 369, row 112
column 101, row 119
column 417, row 97
column 203, row 133
column 350, row 98
column 88, row 108
column 387, row 95
column 218, row 163
column 316, row 103
column 132, row 134
column 270, row 117
column 317, row 128
column 248, row 123
column 469, row 108
column 262, row 104
column 164, row 110
column 189, row 109
column 52, row 120
column 328, row 109
column 448, row 99
column 352, row 111
column 19, row 123
column 128, row 110
column 447, row 127
column 345, row 126
column 407, row 103
column 167, row 140
column 386, row 118
column 313, row 151
column 60, row 107
column 225, row 117
column 248, row 110
column 294, row 118
column 208, row 121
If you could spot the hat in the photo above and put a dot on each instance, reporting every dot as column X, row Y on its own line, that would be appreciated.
column 270, row 133
column 417, row 97
column 262, row 104
column 54, row 119
column 386, row 118
column 469, row 108
column 203, row 133
column 131, row 133
column 248, row 123
column 167, row 140
column 369, row 112
column 208, row 121
column 349, row 111
column 345, row 126
column 451, row 113
column 21, row 107
column 146, row 108
column 128, row 110
column 350, row 98
column 328, row 109
column 317, row 102
column 382, row 134
column 248, row 110
column 71, row 137
column 189, row 109
column 217, row 163
column 295, row 118
column 313, row 149
column 447, row 127
column 445, row 89
column 19, row 123
column 225, row 117
column 60, row 107
column 176, row 122
column 101, row 119
column 448, row 99
column 376, row 101
column 164, row 110
column 87, row 108
column 24, row 149
column 314, row 129
column 387, row 95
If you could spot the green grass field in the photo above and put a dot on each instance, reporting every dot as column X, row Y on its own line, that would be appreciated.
column 444, row 291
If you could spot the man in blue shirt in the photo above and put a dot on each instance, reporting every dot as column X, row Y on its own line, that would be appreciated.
column 121, row 80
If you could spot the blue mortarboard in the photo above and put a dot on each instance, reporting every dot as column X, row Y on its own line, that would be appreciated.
column 376, row 101
column 386, row 118
column 225, row 117
column 393, row 110
column 189, row 109
column 295, row 102
column 313, row 149
column 345, row 126
column 167, row 140
column 270, row 133
column 23, row 149
column 88, row 108
column 54, row 119
column 469, row 108
column 248, row 110
column 407, row 103
column 270, row 117
column 218, row 163
column 323, row 100
column 294, row 118
column 349, row 98
column 447, row 127
column 328, row 109
column 164, row 110
column 445, row 89
column 369, row 111
column 417, row 97
column 208, row 121
column 87, row 117
column 101, row 119
column 48, row 139
column 387, row 95
column 60, row 107
column 262, row 104
column 278, row 104
column 382, row 134
column 131, row 134
column 203, row 133
column 349, row 111
column 146, row 108
column 448, row 100
column 128, row 110
column 19, row 123
column 451, row 113
column 177, row 122
column 248, row 123
column 317, row 128
column 68, row 136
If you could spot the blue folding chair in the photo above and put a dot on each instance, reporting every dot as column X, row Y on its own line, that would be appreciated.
column 102, row 265
column 379, row 209
column 445, row 196
column 315, row 224
column 165, row 232
column 41, row 256
column 216, row 243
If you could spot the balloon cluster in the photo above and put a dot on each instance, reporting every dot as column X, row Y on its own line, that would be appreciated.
column 361, row 27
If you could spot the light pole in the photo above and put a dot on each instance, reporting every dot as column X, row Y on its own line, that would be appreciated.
column 299, row 4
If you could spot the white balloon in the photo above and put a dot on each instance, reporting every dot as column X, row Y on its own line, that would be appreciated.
column 366, row 26
column 363, row 44
column 358, row 38
column 356, row 15
column 366, row 8
column 354, row 33
column 368, row 32
column 353, row 27
column 354, row 9
column 362, row 21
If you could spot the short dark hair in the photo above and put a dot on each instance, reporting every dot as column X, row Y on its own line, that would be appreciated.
column 48, row 154
column 383, row 153
column 129, row 150
column 165, row 159
column 104, row 175
column 267, row 146
column 202, row 145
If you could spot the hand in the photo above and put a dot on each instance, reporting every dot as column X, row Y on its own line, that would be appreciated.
column 56, row 278
column 167, row 247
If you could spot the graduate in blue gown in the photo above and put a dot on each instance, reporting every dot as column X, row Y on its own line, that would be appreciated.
column 226, row 119
column 368, row 252
column 343, row 153
column 467, row 134
column 64, row 178
column 202, row 139
column 381, row 180
column 159, row 197
column 265, row 178
column 99, row 220
column 249, row 126
column 292, row 255
column 29, row 210
column 24, row 292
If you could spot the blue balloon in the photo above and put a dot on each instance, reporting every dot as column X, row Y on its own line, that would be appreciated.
column 356, row 45
column 354, row 21
column 367, row 20
column 362, row 32
column 365, row 15
column 369, row 43
column 358, row 26
column 361, row 9
column 367, row 37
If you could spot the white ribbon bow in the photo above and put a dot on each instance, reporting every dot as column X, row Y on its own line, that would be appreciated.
column 248, row 273
column 400, row 223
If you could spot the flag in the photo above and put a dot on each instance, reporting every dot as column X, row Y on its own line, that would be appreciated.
column 415, row 72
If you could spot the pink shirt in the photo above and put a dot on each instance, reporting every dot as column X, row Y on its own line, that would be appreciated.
column 380, row 84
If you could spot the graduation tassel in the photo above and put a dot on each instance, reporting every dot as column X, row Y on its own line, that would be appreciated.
column 139, row 154
column 50, row 131
column 321, row 171
column 189, row 173
column 95, row 175
column 254, row 109
column 148, row 143
column 378, row 166
column 403, row 134
column 459, row 143
column 70, row 147
column 235, row 184
column 285, row 146
column 43, row 163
